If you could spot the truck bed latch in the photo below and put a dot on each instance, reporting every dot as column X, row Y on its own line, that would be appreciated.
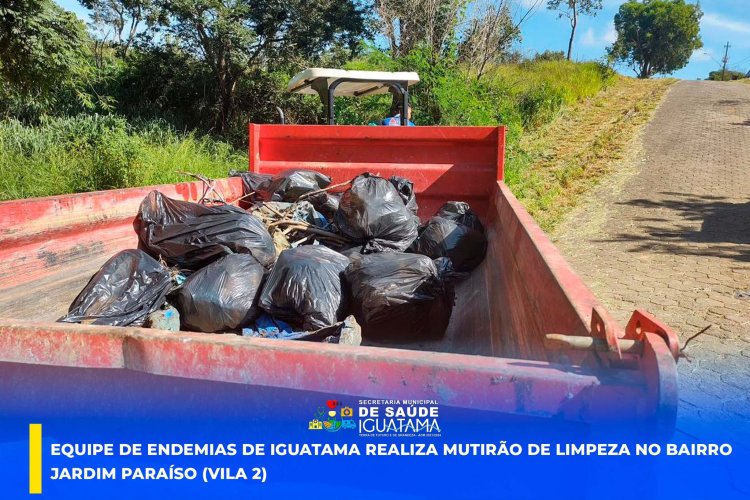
column 642, row 322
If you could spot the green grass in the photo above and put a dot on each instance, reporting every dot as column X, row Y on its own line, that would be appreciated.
column 572, row 81
column 550, row 168
column 540, row 90
column 90, row 153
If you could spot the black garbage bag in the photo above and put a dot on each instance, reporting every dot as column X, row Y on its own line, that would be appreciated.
column 305, row 287
column 128, row 287
column 222, row 296
column 455, row 232
column 399, row 297
column 253, row 183
column 191, row 236
column 372, row 212
column 405, row 188
column 447, row 272
column 461, row 213
column 291, row 184
column 326, row 203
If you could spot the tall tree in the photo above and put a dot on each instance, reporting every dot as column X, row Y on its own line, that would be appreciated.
column 122, row 18
column 407, row 23
column 233, row 36
column 491, row 31
column 42, row 47
column 656, row 36
column 572, row 9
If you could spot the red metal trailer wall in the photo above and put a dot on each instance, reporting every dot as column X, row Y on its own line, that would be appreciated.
column 456, row 163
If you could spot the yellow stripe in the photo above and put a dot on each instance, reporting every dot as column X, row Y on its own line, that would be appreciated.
column 35, row 458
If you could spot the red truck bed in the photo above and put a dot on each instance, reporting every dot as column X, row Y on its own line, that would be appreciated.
column 492, row 358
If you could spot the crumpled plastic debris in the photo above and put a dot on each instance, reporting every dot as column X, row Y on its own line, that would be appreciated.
column 190, row 236
column 303, row 212
column 344, row 332
column 267, row 326
column 165, row 318
column 125, row 290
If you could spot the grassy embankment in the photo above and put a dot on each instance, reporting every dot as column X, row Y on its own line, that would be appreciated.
column 550, row 168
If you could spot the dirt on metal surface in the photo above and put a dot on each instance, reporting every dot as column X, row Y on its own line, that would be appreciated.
column 511, row 386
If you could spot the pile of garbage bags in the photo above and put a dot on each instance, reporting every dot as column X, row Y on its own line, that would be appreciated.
column 303, row 259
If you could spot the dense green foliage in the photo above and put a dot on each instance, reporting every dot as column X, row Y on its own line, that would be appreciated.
column 176, row 86
column 656, row 36
column 43, row 52
column 234, row 36
column 166, row 83
column 726, row 76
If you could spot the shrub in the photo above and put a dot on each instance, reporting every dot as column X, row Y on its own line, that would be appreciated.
column 89, row 153
column 728, row 75
column 549, row 55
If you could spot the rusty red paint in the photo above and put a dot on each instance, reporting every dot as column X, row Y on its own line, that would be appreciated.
column 42, row 234
column 456, row 380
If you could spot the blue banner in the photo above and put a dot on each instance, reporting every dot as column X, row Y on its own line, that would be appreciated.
column 142, row 436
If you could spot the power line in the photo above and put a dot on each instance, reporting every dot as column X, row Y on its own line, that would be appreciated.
column 741, row 61
column 712, row 57
column 725, row 61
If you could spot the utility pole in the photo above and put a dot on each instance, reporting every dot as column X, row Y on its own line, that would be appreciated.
column 725, row 61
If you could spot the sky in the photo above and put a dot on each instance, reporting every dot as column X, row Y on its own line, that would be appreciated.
column 723, row 21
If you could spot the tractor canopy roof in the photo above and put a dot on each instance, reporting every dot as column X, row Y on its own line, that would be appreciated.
column 350, row 82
